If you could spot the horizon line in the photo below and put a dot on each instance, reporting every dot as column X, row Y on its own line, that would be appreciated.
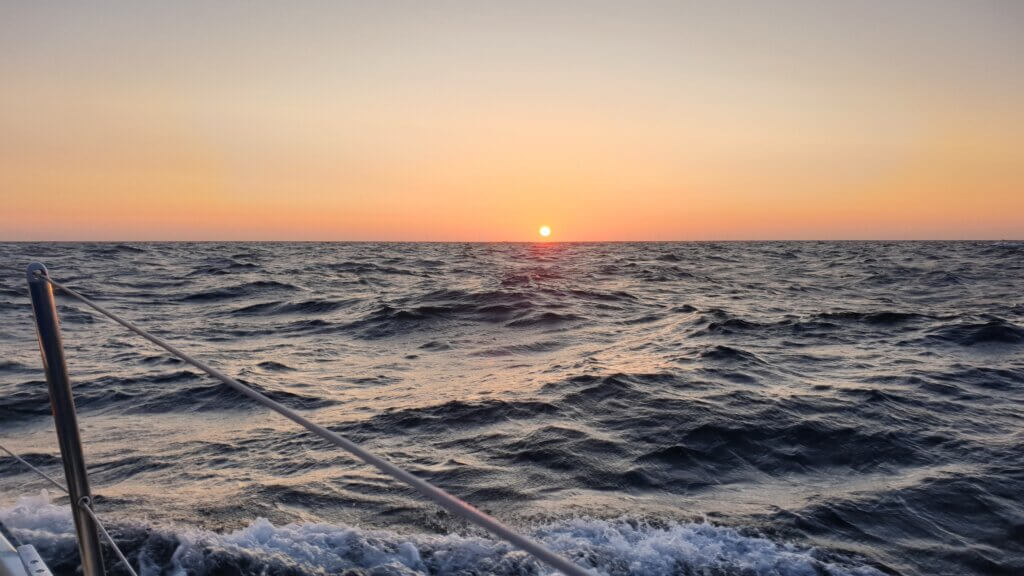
column 307, row 241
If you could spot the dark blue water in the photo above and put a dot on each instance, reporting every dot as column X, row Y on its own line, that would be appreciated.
column 691, row 408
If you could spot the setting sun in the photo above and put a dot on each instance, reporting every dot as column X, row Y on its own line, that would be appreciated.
column 545, row 231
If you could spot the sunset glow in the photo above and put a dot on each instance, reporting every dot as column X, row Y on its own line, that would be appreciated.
column 461, row 122
column 544, row 231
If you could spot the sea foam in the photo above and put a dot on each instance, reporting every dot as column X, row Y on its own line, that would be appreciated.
column 610, row 547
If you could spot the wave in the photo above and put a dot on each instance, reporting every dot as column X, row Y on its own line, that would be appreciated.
column 224, row 268
column 720, row 322
column 883, row 317
column 238, row 291
column 18, row 292
column 995, row 331
column 166, row 392
column 941, row 278
column 12, row 366
column 928, row 514
column 545, row 319
column 728, row 354
column 666, row 273
column 217, row 396
column 520, row 349
column 369, row 268
column 609, row 547
column 726, row 436
column 613, row 296
column 454, row 414
column 105, row 249
column 427, row 310
column 26, row 400
column 278, row 307
column 130, row 248
column 10, row 466
column 272, row 366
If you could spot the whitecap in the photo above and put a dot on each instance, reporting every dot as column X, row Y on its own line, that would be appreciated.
column 612, row 547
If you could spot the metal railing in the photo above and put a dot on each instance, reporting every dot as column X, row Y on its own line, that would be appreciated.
column 62, row 402
column 41, row 287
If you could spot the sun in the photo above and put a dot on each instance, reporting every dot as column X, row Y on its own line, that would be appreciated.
column 545, row 231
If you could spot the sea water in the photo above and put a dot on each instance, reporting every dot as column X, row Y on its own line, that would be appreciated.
column 643, row 408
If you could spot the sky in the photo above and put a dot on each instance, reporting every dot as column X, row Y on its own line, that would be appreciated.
column 482, row 121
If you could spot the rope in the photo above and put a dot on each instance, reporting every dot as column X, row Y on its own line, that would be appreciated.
column 84, row 504
column 450, row 503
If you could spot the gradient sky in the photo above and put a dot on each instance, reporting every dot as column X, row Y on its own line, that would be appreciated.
column 481, row 121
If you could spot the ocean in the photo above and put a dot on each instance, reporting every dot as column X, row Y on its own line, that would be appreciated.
column 777, row 408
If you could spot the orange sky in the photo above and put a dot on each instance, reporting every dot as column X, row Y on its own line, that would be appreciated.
column 481, row 121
